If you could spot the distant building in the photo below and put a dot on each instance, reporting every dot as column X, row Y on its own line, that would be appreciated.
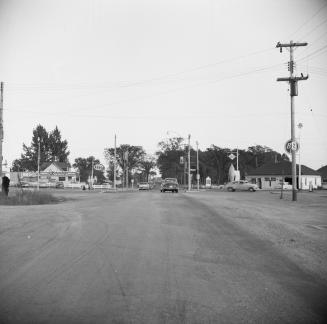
column 270, row 175
column 50, row 173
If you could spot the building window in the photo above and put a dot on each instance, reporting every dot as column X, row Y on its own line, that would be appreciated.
column 62, row 178
column 267, row 179
column 273, row 179
column 69, row 178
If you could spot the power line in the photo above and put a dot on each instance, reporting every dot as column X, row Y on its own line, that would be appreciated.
column 308, row 20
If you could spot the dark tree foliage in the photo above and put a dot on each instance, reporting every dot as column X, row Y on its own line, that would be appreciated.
column 214, row 162
column 52, row 148
column 146, row 167
column 169, row 158
column 128, row 156
column 84, row 166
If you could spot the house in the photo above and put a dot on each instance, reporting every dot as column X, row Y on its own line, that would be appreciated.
column 57, row 171
column 50, row 173
column 323, row 172
column 270, row 175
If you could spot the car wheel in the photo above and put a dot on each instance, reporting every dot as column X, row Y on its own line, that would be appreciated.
column 230, row 189
column 251, row 189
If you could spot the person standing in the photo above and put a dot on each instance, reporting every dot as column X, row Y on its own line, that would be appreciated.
column 5, row 185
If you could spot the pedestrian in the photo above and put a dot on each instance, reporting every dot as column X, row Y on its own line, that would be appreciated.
column 5, row 185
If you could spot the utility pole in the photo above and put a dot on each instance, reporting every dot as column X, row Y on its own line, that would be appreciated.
column 38, row 163
column 189, row 162
column 237, row 159
column 300, row 125
column 197, row 166
column 92, row 173
column 293, row 80
column 115, row 165
column 1, row 131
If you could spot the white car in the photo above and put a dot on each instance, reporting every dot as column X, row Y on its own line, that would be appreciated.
column 144, row 186
column 241, row 185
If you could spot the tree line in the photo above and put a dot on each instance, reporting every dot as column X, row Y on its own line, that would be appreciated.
column 132, row 162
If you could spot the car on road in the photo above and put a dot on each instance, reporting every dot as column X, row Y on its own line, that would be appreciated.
column 60, row 185
column 170, row 180
column 144, row 186
column 241, row 185
column 286, row 186
column 169, row 186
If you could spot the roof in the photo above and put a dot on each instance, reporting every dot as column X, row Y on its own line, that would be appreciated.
column 323, row 172
column 61, row 165
column 281, row 168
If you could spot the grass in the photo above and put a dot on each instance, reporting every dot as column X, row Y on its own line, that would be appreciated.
column 28, row 197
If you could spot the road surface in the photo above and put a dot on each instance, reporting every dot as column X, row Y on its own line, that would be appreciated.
column 148, row 257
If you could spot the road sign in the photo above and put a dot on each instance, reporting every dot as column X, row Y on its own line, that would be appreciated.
column 197, row 177
column 192, row 170
column 98, row 167
column 232, row 156
column 291, row 146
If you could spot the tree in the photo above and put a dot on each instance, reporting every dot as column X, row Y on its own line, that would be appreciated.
column 134, row 155
column 84, row 166
column 146, row 166
column 58, row 148
column 169, row 157
column 51, row 148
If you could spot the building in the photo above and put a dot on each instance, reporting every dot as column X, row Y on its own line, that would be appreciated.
column 270, row 175
column 50, row 173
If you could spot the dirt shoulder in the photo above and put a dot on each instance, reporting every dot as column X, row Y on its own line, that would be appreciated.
column 297, row 229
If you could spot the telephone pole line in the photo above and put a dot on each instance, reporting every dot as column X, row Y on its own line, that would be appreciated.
column 293, row 80
column 1, row 131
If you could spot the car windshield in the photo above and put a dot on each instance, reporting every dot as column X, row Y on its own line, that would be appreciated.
column 171, row 180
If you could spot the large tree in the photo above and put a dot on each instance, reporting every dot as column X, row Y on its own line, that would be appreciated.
column 127, row 156
column 52, row 148
column 146, row 167
column 169, row 158
column 84, row 166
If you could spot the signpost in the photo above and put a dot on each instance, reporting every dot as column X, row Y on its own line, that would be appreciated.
column 99, row 167
column 291, row 146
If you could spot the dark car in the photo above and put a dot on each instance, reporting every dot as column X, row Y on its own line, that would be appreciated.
column 169, row 186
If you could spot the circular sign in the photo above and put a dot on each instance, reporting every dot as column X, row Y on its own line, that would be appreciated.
column 291, row 146
column 99, row 167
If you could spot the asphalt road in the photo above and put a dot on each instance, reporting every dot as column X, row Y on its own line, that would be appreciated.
column 147, row 257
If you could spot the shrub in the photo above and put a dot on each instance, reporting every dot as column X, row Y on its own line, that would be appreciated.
column 28, row 197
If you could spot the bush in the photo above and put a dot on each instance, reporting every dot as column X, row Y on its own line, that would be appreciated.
column 28, row 197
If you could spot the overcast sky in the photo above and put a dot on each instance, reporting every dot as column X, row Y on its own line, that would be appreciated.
column 142, row 68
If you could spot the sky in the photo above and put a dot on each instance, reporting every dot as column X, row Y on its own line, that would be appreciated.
column 147, row 70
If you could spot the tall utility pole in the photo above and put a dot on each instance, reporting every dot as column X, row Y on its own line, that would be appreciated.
column 189, row 162
column 293, row 80
column 197, row 166
column 300, row 125
column 38, row 163
column 1, row 131
column 115, row 161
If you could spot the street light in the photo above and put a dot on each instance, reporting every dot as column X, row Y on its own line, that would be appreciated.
column 300, row 125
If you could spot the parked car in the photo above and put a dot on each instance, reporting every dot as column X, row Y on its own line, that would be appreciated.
column 169, row 186
column 60, row 185
column 241, row 185
column 144, row 186
column 286, row 186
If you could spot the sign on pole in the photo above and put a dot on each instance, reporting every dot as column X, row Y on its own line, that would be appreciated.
column 232, row 156
column 291, row 146
column 98, row 167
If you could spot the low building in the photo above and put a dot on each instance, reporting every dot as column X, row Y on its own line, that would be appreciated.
column 270, row 175
column 50, row 173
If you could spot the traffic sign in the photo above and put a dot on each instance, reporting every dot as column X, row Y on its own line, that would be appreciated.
column 197, row 177
column 291, row 146
column 232, row 156
column 98, row 167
